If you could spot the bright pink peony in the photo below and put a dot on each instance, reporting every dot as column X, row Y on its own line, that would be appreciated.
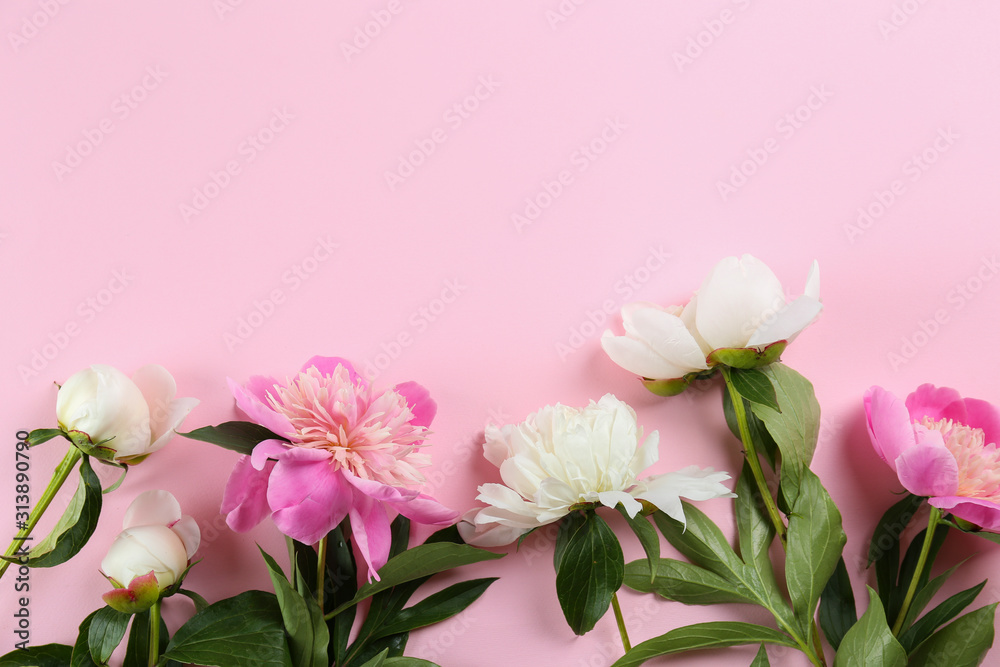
column 352, row 452
column 941, row 446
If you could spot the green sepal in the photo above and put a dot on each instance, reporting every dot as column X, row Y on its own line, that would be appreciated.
column 141, row 594
column 747, row 357
column 89, row 447
column 40, row 435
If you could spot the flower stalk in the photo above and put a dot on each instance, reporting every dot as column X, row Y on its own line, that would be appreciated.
column 932, row 522
column 62, row 472
column 622, row 630
column 320, row 572
column 154, row 634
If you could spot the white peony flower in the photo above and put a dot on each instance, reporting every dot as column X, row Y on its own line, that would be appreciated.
column 113, row 417
column 741, row 304
column 561, row 457
column 152, row 551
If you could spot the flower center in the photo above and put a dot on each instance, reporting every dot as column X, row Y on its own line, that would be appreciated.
column 370, row 436
column 978, row 462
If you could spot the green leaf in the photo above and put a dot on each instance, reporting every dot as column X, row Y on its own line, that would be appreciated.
column 963, row 643
column 381, row 660
column 47, row 655
column 81, row 649
column 925, row 594
column 107, row 629
column 647, row 535
column 837, row 610
column 755, row 531
column 238, row 436
column 883, row 550
column 308, row 636
column 816, row 541
column 986, row 535
column 702, row 542
column 437, row 607
column 75, row 527
column 246, row 629
column 200, row 603
column 341, row 585
column 420, row 561
column 870, row 641
column 795, row 429
column 755, row 386
column 761, row 658
column 683, row 582
column 137, row 649
column 716, row 634
column 590, row 571
column 765, row 443
column 400, row 531
column 37, row 437
column 938, row 616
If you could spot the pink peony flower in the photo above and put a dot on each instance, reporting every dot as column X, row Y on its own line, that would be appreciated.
column 352, row 452
column 941, row 446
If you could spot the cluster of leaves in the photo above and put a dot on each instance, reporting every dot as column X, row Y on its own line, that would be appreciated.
column 781, row 416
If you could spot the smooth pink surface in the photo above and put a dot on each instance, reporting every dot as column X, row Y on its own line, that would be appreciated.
column 224, row 211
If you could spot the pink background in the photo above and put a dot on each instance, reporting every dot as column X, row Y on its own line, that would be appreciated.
column 619, row 122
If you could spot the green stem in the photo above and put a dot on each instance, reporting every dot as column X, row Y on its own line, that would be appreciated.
column 320, row 572
column 932, row 522
column 291, row 559
column 753, row 459
column 154, row 634
column 622, row 630
column 65, row 467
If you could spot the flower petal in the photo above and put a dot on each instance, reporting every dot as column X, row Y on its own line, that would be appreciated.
column 936, row 403
column 667, row 335
column 487, row 535
column 152, row 508
column 258, row 412
column 736, row 297
column 411, row 504
column 889, row 424
column 983, row 513
column 104, row 403
column 177, row 412
column 267, row 449
column 328, row 366
column 928, row 468
column 419, row 399
column 638, row 357
column 189, row 533
column 245, row 497
column 158, row 388
column 985, row 416
column 787, row 323
column 612, row 498
column 812, row 282
column 308, row 498
column 372, row 532
column 665, row 491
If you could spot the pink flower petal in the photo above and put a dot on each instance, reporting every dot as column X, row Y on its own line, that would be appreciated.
column 267, row 449
column 328, row 365
column 889, row 425
column 245, row 497
column 372, row 532
column 419, row 399
column 261, row 386
column 936, row 403
column 983, row 415
column 928, row 468
column 983, row 513
column 259, row 412
column 411, row 504
column 307, row 496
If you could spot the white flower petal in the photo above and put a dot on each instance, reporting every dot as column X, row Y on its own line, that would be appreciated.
column 812, row 281
column 152, row 508
column 646, row 455
column 190, row 534
column 638, row 357
column 106, row 405
column 487, row 535
column 139, row 550
column 689, row 316
column 668, row 336
column 612, row 498
column 504, row 498
column 158, row 389
column 177, row 412
column 735, row 299
column 787, row 323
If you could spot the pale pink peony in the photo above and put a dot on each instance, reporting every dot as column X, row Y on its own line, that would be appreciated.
column 941, row 446
column 352, row 452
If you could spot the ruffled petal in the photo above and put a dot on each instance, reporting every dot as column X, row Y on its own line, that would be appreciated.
column 612, row 498
column 928, row 468
column 889, row 424
column 259, row 412
column 372, row 532
column 665, row 491
column 328, row 366
column 487, row 535
column 419, row 399
column 936, row 403
column 411, row 504
column 244, row 500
